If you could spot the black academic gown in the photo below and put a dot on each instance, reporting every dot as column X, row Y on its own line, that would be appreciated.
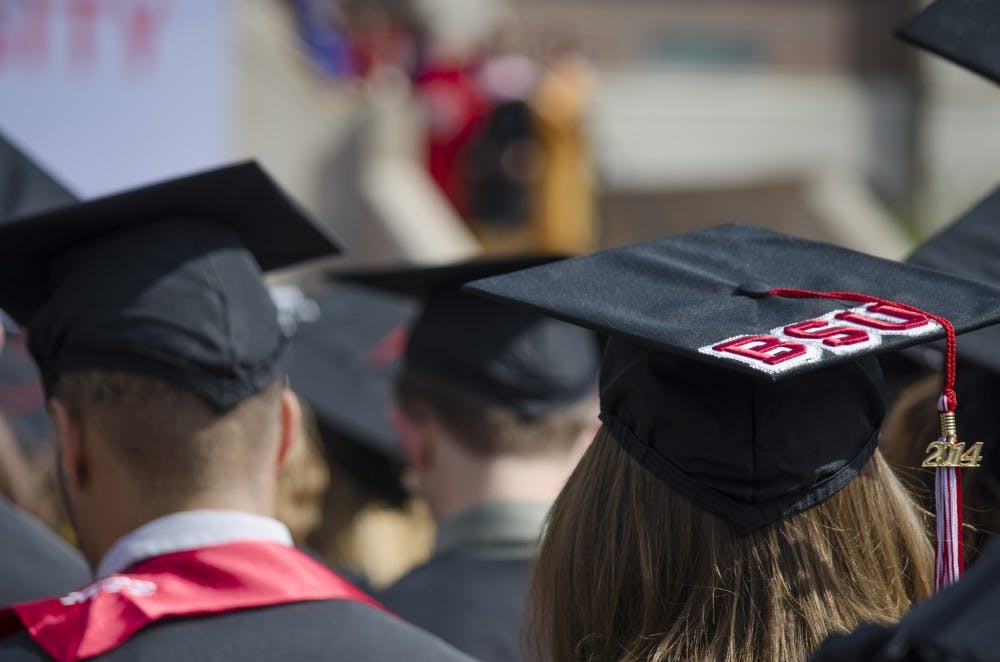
column 34, row 562
column 472, row 591
column 325, row 630
column 960, row 624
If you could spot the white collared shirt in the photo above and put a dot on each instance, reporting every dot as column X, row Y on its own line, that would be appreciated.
column 188, row 530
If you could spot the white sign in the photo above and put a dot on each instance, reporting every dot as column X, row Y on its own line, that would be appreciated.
column 109, row 94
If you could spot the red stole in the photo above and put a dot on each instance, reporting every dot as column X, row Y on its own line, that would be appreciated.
column 210, row 580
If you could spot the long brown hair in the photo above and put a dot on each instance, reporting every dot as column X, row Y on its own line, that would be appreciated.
column 631, row 570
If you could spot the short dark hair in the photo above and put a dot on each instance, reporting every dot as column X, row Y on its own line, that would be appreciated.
column 487, row 429
column 171, row 438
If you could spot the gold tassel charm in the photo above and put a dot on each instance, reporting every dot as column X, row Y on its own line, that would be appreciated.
column 948, row 451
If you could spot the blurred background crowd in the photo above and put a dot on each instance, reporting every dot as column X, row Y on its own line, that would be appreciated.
column 432, row 130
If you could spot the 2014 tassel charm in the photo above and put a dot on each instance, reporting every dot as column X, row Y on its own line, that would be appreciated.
column 948, row 456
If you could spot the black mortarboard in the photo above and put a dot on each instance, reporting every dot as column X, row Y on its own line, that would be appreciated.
column 970, row 248
column 519, row 359
column 25, row 187
column 163, row 280
column 967, row 32
column 753, row 404
column 346, row 348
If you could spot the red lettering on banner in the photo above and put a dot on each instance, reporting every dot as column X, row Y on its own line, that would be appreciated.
column 5, row 22
column 34, row 38
column 141, row 29
column 24, row 32
column 763, row 348
column 27, row 28
column 832, row 336
column 908, row 319
column 82, row 16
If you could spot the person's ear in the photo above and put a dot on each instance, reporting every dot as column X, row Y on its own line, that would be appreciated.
column 412, row 434
column 72, row 452
column 291, row 424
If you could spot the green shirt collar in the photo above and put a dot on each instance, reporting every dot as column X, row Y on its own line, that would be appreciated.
column 500, row 529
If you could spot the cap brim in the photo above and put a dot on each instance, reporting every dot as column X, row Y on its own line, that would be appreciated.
column 26, row 187
column 681, row 294
column 420, row 281
column 341, row 364
column 970, row 248
column 241, row 196
column 967, row 32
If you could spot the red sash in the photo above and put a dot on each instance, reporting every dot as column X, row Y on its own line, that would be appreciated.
column 210, row 580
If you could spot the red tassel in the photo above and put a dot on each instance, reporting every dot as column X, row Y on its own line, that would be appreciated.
column 950, row 556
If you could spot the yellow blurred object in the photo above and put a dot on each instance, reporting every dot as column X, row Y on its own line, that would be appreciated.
column 365, row 534
column 348, row 524
column 301, row 485
column 564, row 206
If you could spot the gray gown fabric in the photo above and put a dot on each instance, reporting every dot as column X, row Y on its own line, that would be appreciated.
column 471, row 593
column 34, row 561
column 325, row 630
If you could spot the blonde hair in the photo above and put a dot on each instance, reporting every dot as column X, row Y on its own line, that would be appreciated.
column 631, row 570
column 303, row 482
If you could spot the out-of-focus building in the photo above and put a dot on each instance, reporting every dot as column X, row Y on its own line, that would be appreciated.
column 804, row 115
column 800, row 114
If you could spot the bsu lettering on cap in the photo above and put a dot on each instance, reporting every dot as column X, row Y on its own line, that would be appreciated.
column 840, row 333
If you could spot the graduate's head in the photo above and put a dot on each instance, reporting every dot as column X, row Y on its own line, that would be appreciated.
column 133, row 447
column 484, row 384
column 487, row 429
column 734, row 506
column 158, row 342
column 662, row 578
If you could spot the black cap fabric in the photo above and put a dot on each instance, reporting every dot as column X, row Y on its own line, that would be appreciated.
column 241, row 196
column 753, row 405
column 164, row 280
column 347, row 343
column 970, row 248
column 25, row 187
column 519, row 359
column 967, row 32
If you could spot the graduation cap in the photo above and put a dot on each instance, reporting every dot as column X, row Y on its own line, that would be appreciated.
column 967, row 32
column 729, row 374
column 519, row 359
column 346, row 349
column 164, row 280
column 970, row 247
column 25, row 187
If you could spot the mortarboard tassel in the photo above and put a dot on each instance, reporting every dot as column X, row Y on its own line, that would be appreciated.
column 950, row 558
column 946, row 455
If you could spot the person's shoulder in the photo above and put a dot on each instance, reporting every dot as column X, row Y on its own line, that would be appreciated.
column 459, row 570
column 298, row 631
column 35, row 562
column 474, row 603
column 21, row 647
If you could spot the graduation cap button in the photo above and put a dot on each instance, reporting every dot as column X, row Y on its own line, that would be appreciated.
column 755, row 289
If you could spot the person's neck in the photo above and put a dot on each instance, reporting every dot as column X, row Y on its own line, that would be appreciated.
column 468, row 482
column 131, row 515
